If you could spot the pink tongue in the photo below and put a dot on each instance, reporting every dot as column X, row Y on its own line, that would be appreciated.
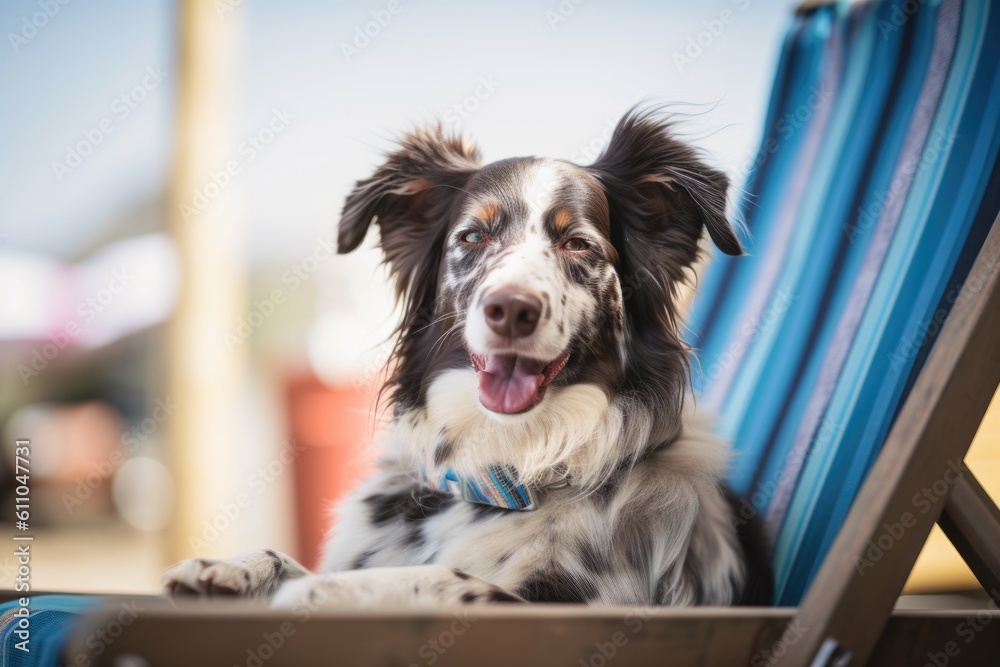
column 509, row 383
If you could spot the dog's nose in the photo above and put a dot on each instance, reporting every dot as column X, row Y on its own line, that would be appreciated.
column 513, row 314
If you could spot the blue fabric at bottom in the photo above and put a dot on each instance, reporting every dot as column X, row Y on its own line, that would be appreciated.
column 49, row 621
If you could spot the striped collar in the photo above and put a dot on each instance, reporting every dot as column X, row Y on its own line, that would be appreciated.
column 495, row 485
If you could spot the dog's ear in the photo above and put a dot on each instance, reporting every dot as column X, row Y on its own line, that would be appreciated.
column 661, row 194
column 410, row 197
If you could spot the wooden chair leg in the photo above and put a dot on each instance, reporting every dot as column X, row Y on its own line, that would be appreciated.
column 971, row 520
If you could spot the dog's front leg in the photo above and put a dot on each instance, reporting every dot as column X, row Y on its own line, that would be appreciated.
column 254, row 574
column 418, row 587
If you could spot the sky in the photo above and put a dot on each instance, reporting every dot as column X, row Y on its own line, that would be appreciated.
column 520, row 78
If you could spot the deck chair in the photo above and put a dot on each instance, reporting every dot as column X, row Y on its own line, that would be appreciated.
column 851, row 357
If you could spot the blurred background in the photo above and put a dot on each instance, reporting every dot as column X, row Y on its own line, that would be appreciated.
column 193, row 364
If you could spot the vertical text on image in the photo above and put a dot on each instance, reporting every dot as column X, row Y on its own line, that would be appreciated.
column 22, row 543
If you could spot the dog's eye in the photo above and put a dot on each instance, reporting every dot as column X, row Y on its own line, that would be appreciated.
column 576, row 244
column 472, row 237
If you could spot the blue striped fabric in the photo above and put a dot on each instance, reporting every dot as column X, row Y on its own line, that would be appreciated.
column 879, row 208
column 797, row 294
column 50, row 620
column 859, row 249
column 909, row 314
column 801, row 88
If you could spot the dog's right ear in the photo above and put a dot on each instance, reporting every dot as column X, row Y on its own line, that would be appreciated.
column 410, row 197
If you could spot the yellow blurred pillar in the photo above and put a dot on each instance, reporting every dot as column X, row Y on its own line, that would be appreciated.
column 204, row 377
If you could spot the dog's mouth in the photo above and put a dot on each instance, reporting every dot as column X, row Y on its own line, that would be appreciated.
column 512, row 383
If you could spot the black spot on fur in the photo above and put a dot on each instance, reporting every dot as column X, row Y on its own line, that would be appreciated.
column 443, row 452
column 276, row 562
column 660, row 594
column 605, row 493
column 637, row 557
column 362, row 560
column 504, row 558
column 481, row 512
column 460, row 574
column 500, row 596
column 593, row 560
column 556, row 586
column 415, row 536
column 758, row 587
column 468, row 598
column 415, row 504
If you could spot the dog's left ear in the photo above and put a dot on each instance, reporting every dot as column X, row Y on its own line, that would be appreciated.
column 411, row 197
column 660, row 192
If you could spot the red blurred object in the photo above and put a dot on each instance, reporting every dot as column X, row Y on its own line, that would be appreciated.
column 76, row 449
column 333, row 427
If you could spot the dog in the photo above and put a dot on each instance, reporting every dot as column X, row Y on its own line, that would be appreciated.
column 544, row 445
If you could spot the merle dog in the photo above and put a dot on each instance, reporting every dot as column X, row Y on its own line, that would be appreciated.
column 544, row 446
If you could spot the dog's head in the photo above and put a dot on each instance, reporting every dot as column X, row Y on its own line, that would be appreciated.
column 539, row 273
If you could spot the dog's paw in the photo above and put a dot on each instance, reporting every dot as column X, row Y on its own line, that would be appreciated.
column 201, row 577
column 419, row 587
column 253, row 574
